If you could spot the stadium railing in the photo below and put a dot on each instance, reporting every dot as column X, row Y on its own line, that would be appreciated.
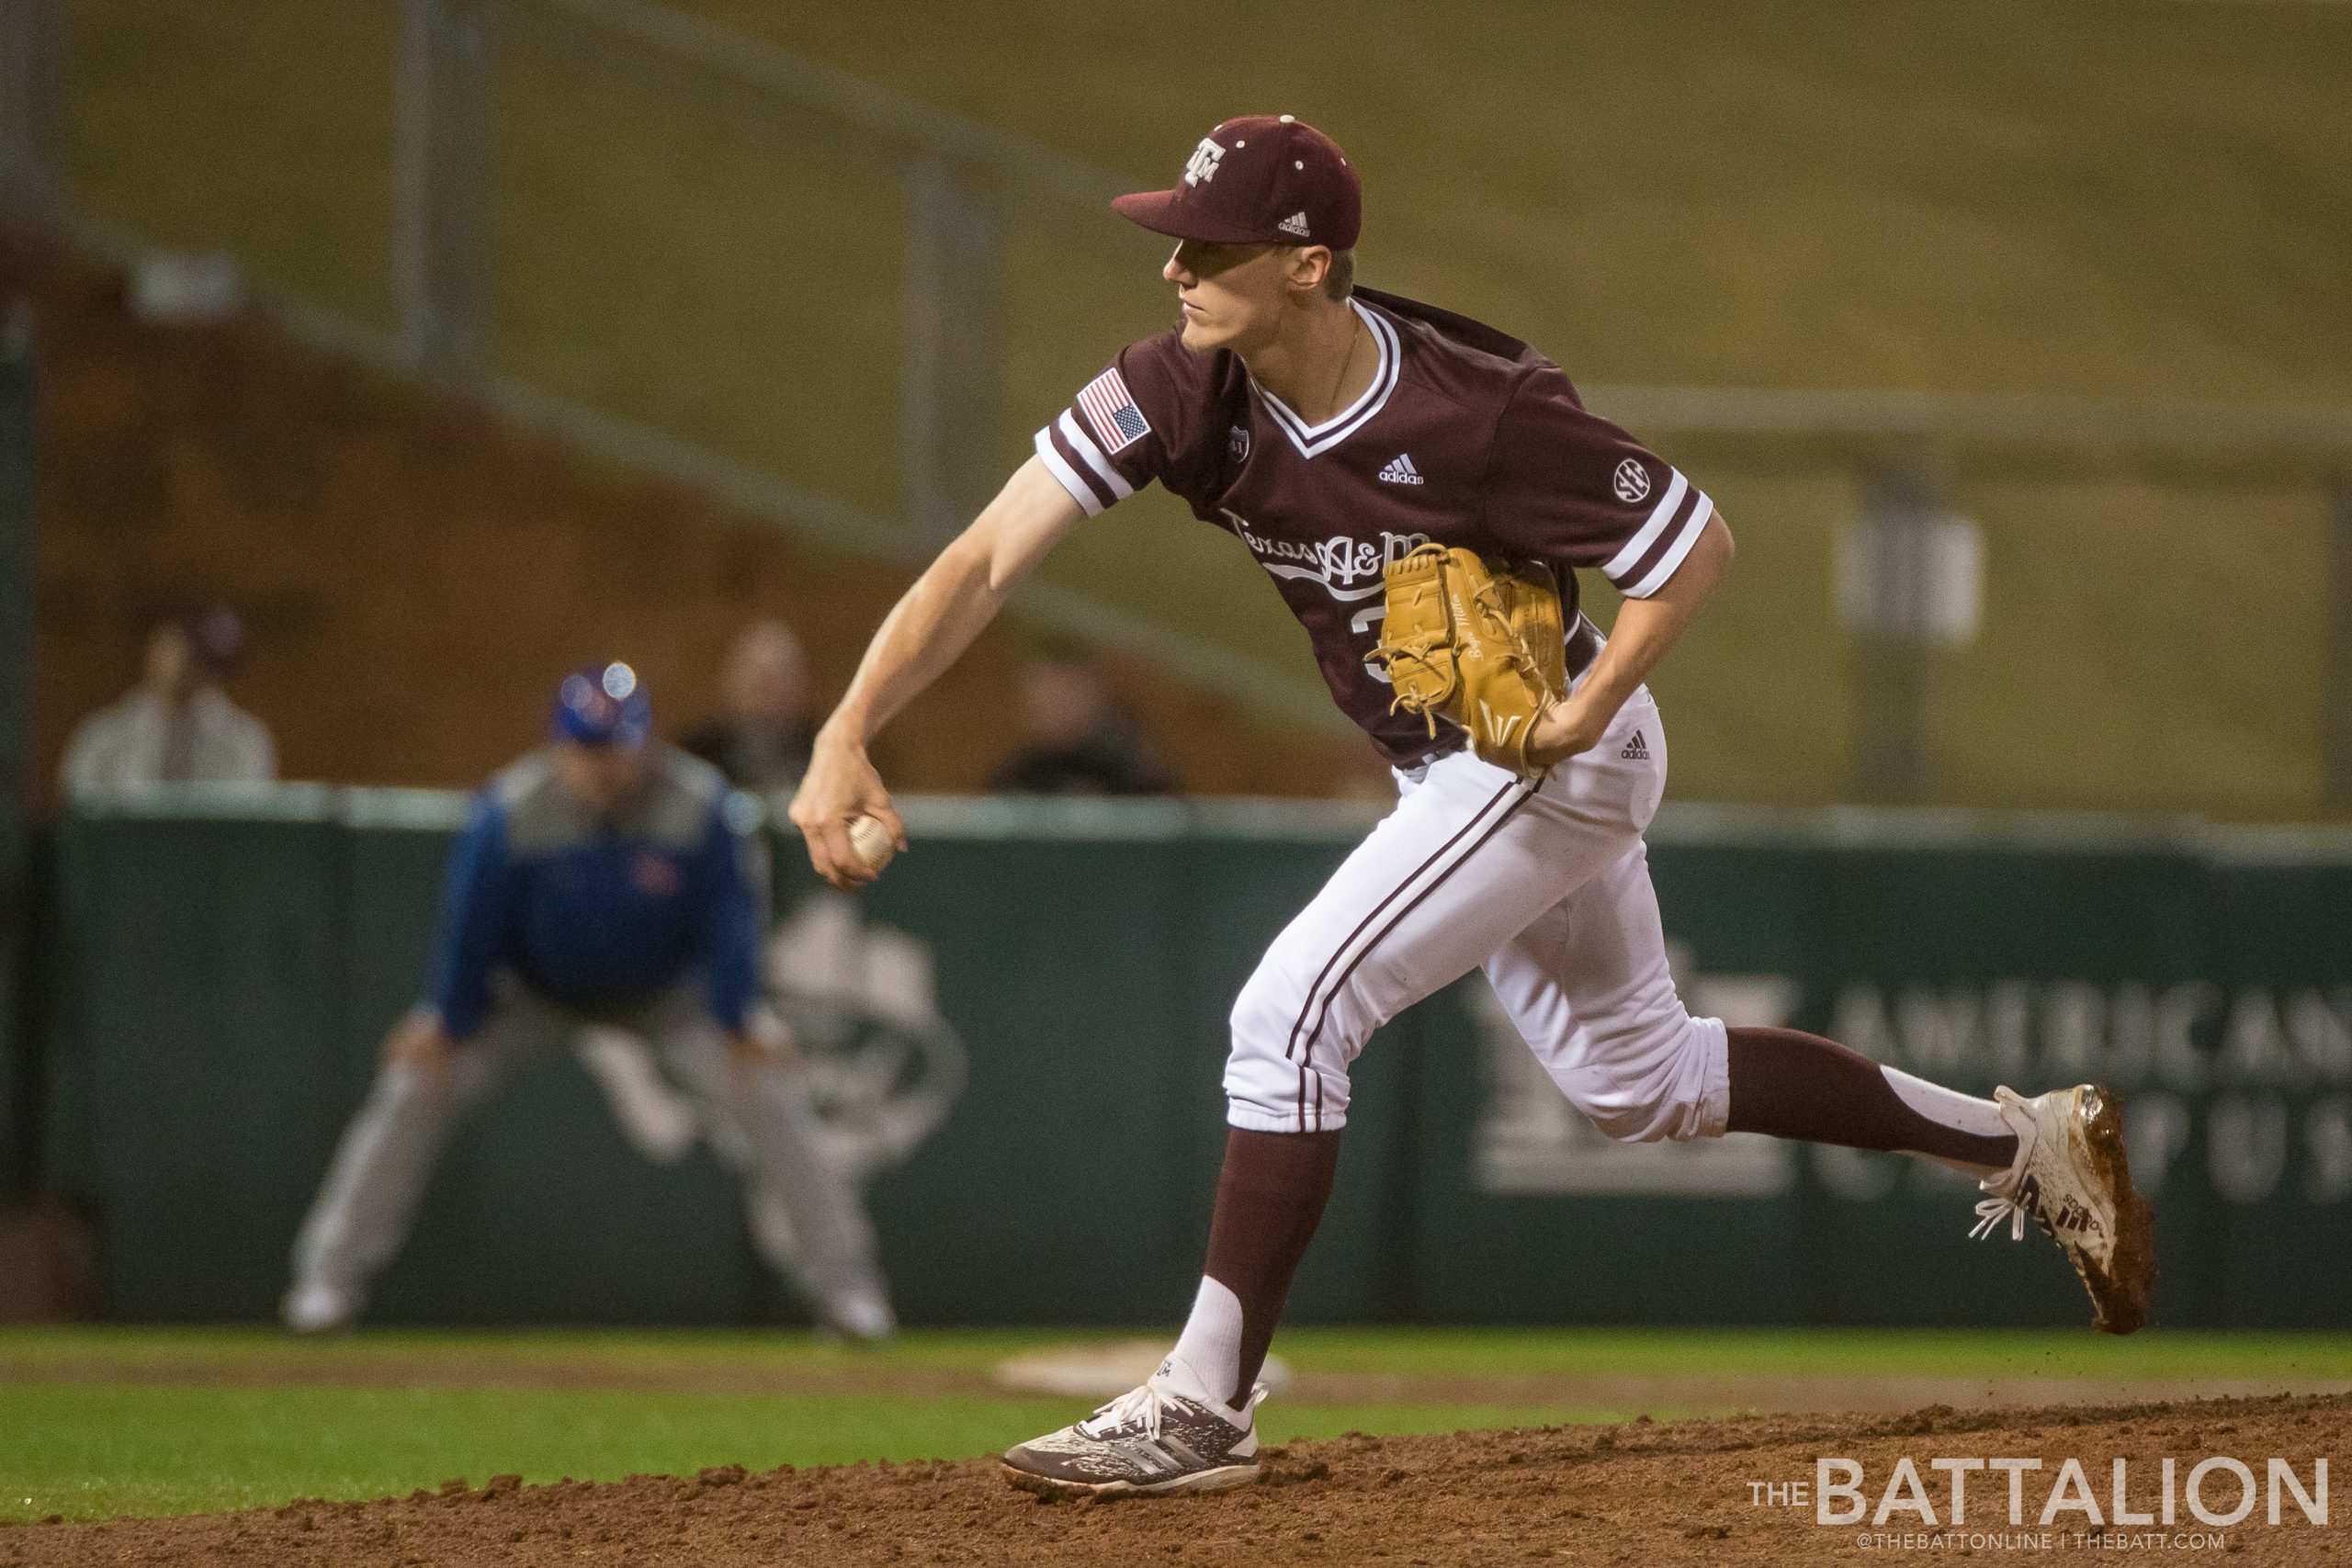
column 965, row 197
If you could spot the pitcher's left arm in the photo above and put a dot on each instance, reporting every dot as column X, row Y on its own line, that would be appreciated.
column 1646, row 629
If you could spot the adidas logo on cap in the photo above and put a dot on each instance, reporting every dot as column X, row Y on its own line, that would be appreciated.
column 1293, row 224
column 1400, row 470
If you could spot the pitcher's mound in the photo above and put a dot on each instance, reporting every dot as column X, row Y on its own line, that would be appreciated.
column 1690, row 1491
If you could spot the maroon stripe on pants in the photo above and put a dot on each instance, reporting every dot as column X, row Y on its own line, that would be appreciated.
column 1523, row 792
column 1307, row 1006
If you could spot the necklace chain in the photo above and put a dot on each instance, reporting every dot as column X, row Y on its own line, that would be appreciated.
column 1354, row 337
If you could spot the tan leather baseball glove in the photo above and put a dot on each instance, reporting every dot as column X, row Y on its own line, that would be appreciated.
column 1478, row 642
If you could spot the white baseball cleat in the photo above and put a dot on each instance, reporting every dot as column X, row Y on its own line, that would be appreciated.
column 315, row 1307
column 1153, row 1442
column 2071, row 1176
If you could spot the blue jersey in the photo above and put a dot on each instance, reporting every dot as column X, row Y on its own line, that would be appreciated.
column 601, row 915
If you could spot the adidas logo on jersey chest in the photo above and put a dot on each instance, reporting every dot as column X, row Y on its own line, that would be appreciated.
column 1400, row 470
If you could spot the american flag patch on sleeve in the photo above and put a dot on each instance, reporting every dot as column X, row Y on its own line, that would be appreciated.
column 1118, row 423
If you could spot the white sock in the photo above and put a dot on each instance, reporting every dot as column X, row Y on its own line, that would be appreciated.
column 1206, row 1361
column 1963, row 1112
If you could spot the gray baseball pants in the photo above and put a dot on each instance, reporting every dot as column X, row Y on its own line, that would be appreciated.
column 364, row 1208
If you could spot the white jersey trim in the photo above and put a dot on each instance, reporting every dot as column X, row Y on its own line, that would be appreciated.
column 1637, row 546
column 1085, row 447
column 1312, row 440
column 1079, row 491
column 1700, row 510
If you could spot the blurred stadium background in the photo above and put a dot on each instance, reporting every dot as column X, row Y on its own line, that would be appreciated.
column 452, row 342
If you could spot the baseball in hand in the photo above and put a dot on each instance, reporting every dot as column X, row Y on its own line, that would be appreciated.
column 871, row 840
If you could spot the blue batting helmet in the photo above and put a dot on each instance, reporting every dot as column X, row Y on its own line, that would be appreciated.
column 603, row 705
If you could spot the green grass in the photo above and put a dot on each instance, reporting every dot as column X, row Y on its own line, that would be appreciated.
column 98, row 1451
column 185, row 1420
column 2119, row 197
column 232, row 1352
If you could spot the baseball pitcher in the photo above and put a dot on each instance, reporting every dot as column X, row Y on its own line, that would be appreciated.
column 602, row 879
column 1423, row 490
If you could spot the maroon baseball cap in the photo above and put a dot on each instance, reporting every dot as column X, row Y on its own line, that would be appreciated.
column 1260, row 179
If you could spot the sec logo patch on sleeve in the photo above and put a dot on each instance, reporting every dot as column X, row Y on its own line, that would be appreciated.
column 1632, row 482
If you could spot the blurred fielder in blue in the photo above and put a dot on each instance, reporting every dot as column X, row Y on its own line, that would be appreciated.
column 605, row 878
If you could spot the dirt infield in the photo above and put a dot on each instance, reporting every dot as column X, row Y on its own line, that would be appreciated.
column 1638, row 1493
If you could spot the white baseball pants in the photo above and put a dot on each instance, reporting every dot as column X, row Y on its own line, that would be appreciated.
column 1547, row 887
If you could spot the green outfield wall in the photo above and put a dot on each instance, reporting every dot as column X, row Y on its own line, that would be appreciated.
column 223, row 968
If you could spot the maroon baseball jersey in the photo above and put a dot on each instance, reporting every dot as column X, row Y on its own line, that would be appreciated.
column 1466, row 436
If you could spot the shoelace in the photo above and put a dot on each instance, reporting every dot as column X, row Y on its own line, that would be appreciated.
column 1989, row 1214
column 1147, row 1403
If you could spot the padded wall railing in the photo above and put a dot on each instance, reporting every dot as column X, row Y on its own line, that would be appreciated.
column 230, row 969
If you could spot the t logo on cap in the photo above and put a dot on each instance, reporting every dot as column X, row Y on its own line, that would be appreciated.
column 1258, row 179
column 1201, row 166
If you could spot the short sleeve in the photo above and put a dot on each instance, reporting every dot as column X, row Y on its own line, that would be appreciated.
column 1566, row 485
column 1120, row 431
